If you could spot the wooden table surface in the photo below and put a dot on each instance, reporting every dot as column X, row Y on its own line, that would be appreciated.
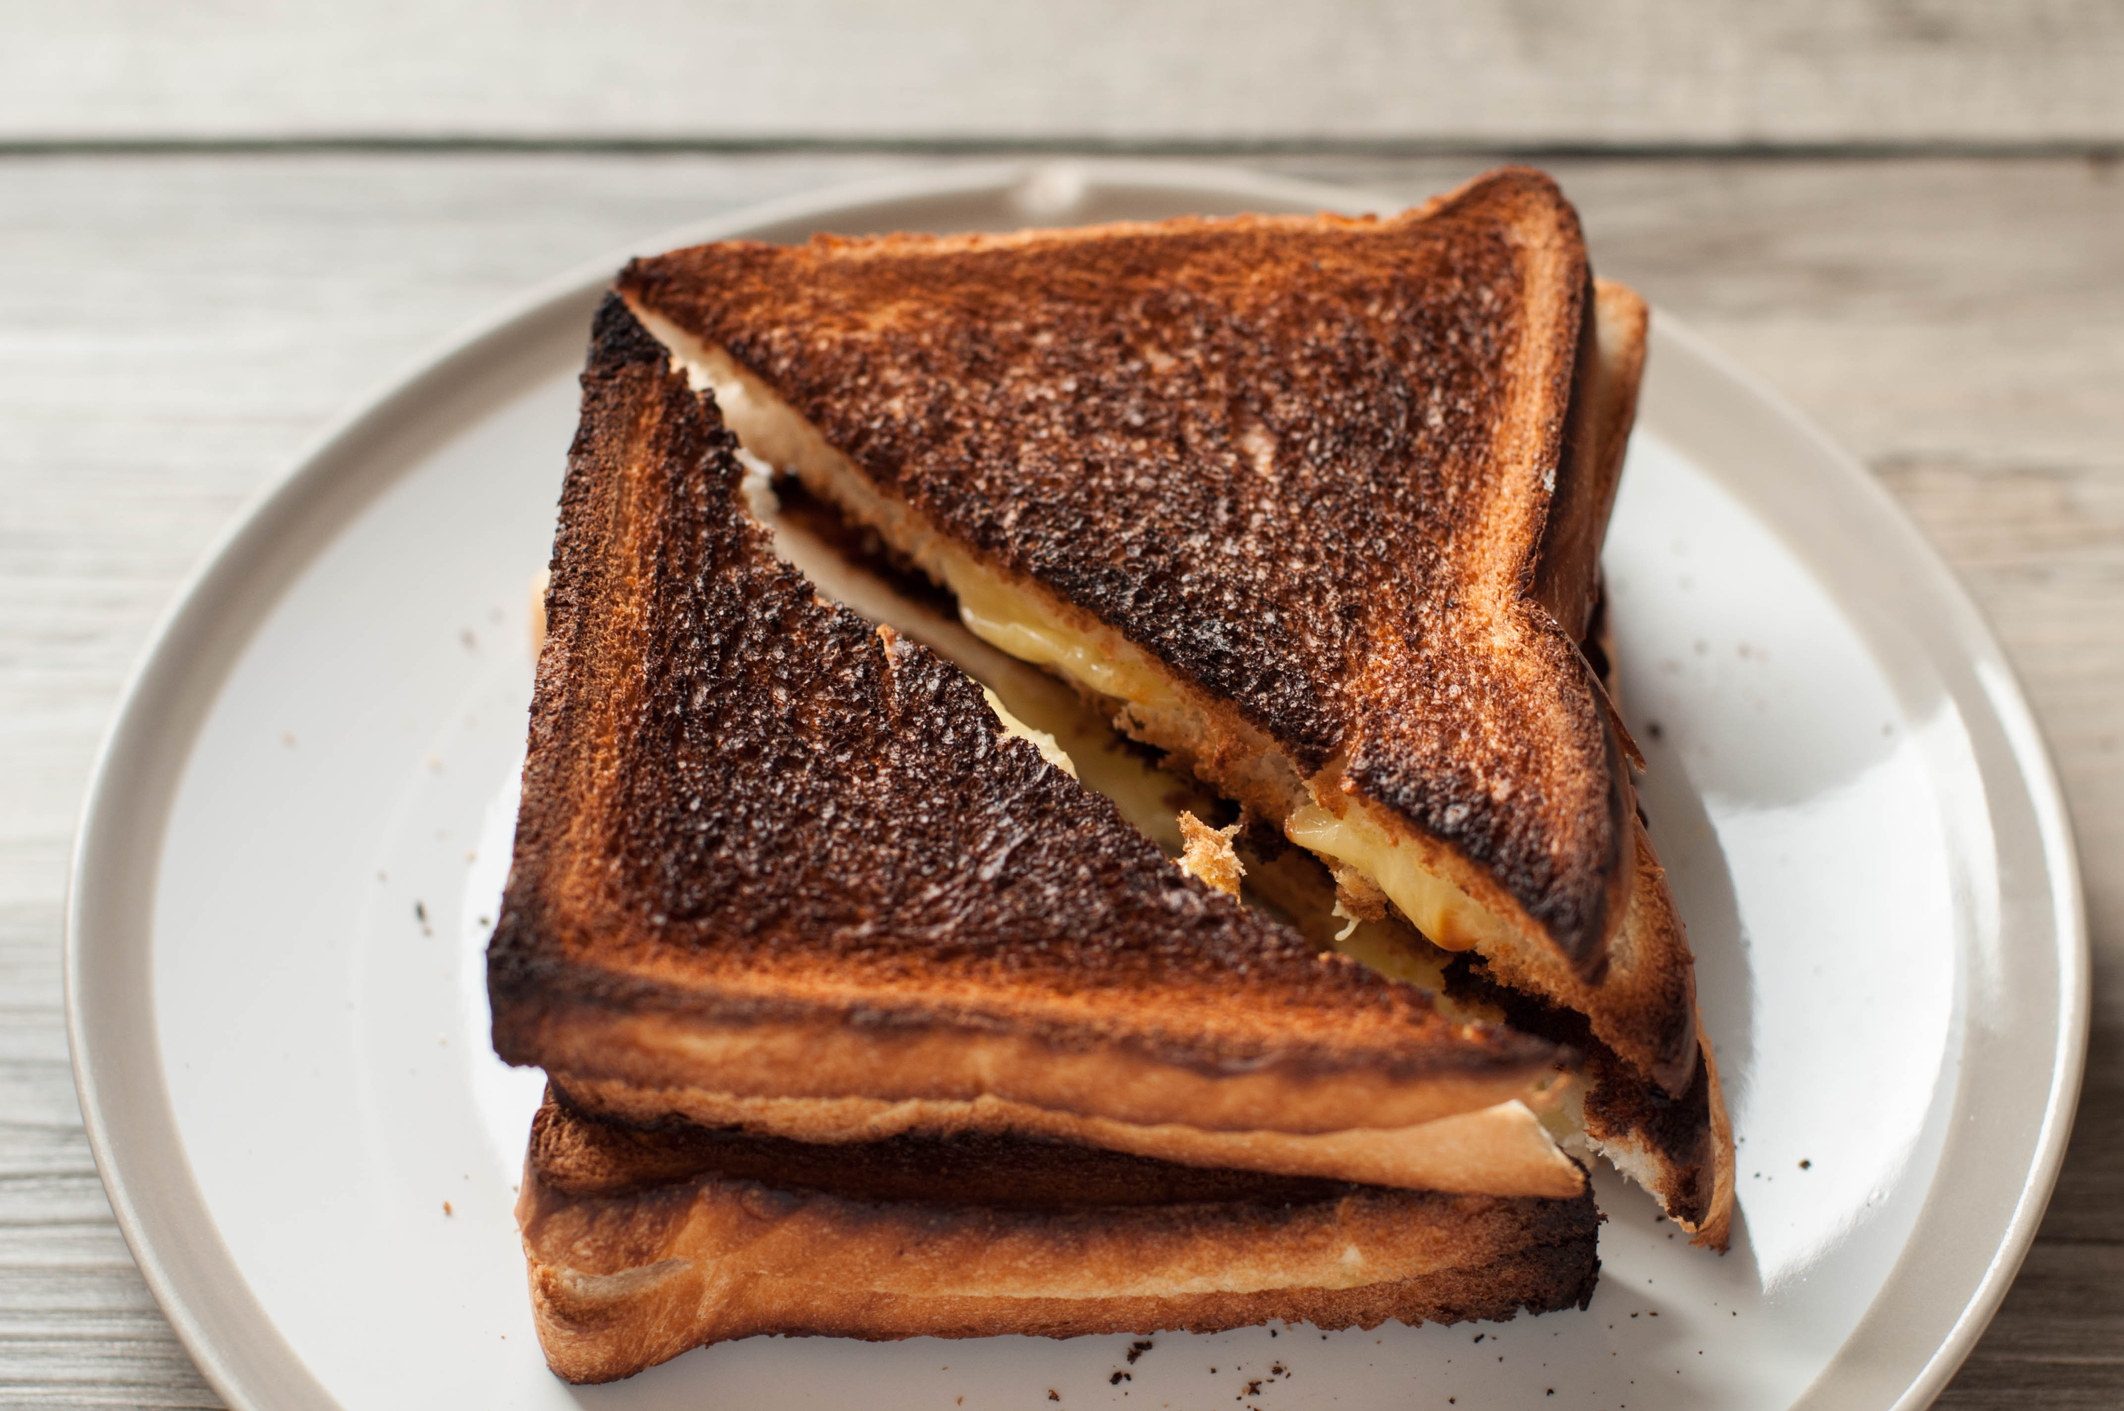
column 176, row 323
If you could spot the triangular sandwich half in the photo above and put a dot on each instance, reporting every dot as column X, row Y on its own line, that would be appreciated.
column 1313, row 505
column 777, row 867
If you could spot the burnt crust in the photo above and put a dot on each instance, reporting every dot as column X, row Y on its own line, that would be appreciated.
column 1089, row 410
column 1604, row 391
column 1620, row 1104
column 582, row 1154
column 618, row 340
column 744, row 807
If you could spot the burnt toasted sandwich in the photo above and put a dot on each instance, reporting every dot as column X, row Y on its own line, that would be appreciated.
column 830, row 966
column 1312, row 507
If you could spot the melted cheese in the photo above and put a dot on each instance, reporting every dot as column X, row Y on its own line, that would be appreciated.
column 1448, row 916
column 1014, row 622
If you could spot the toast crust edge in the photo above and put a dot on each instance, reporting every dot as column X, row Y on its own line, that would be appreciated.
column 1498, row 1150
column 828, row 1057
column 623, row 1282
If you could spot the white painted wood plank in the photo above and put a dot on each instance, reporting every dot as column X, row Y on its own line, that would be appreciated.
column 1537, row 71
column 172, row 329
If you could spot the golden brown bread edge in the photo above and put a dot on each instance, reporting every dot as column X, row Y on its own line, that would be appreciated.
column 770, row 851
column 1639, row 997
column 642, row 1244
column 1505, row 1149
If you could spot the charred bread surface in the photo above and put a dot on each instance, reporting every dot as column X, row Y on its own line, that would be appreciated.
column 1305, row 462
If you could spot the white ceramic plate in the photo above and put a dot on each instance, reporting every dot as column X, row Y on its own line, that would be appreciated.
column 299, row 824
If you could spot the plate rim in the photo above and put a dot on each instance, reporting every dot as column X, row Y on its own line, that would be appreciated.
column 2001, row 690
column 194, row 1278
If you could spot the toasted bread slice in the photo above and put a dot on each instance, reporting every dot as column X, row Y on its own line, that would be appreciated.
column 1277, row 485
column 1506, row 1149
column 767, row 851
column 1313, row 505
column 643, row 1243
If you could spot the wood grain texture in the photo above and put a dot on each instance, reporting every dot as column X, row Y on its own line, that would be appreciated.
column 1534, row 71
column 173, row 328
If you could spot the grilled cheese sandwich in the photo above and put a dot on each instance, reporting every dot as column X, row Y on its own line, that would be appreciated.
column 841, row 325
